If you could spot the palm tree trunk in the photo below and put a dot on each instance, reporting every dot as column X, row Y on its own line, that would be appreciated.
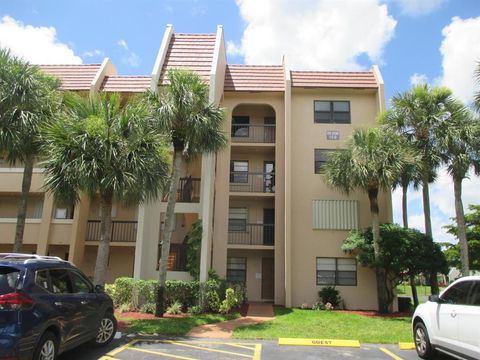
column 404, row 206
column 22, row 207
column 380, row 272
column 414, row 290
column 462, row 235
column 167, row 233
column 428, row 229
column 101, row 265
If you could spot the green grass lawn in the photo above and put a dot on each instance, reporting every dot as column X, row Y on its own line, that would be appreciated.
column 173, row 326
column 298, row 323
column 406, row 290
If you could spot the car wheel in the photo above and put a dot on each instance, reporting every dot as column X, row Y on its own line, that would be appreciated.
column 106, row 330
column 422, row 341
column 47, row 347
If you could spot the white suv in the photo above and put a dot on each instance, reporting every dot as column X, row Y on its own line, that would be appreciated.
column 450, row 323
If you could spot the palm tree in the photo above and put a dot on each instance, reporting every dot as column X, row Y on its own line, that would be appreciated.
column 100, row 147
column 415, row 113
column 476, row 98
column 371, row 162
column 458, row 142
column 183, row 112
column 28, row 99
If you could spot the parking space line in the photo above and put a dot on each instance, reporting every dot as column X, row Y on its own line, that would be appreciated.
column 241, row 346
column 207, row 349
column 389, row 353
column 161, row 353
column 107, row 358
column 121, row 348
column 406, row 346
column 258, row 351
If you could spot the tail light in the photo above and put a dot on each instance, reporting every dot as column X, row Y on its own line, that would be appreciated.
column 15, row 301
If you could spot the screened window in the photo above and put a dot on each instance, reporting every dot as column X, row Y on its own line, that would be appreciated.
column 321, row 157
column 237, row 269
column 239, row 171
column 328, row 112
column 237, row 219
column 336, row 271
column 240, row 126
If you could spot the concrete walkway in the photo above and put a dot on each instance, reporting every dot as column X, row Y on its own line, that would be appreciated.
column 257, row 313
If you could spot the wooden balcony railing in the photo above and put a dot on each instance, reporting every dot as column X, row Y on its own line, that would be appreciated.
column 122, row 231
column 252, row 182
column 188, row 190
column 251, row 234
column 247, row 133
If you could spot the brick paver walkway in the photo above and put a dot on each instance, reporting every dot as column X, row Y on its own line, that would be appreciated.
column 257, row 313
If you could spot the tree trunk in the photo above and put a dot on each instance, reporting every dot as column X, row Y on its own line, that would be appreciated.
column 462, row 235
column 428, row 229
column 22, row 207
column 404, row 206
column 167, row 233
column 414, row 291
column 101, row 265
column 380, row 272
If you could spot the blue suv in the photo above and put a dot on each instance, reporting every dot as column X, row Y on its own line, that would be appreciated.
column 48, row 306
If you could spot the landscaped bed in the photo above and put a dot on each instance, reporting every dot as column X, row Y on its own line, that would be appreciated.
column 172, row 325
column 299, row 323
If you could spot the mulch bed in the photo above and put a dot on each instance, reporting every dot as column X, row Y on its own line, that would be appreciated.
column 127, row 317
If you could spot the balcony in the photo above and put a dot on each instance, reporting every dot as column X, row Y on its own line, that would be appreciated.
column 252, row 182
column 188, row 190
column 122, row 231
column 177, row 259
column 258, row 134
column 252, row 234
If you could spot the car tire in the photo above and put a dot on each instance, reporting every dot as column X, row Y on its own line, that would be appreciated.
column 47, row 347
column 422, row 341
column 106, row 330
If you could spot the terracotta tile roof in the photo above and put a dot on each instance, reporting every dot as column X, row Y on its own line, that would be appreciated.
column 322, row 79
column 126, row 83
column 254, row 78
column 73, row 77
column 189, row 51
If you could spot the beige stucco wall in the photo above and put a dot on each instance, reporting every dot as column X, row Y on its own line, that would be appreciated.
column 9, row 205
column 120, row 263
column 306, row 243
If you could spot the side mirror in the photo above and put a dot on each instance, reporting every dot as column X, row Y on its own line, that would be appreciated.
column 435, row 299
column 99, row 289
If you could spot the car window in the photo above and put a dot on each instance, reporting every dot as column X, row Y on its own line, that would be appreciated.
column 475, row 294
column 9, row 278
column 80, row 285
column 457, row 294
column 41, row 279
column 61, row 283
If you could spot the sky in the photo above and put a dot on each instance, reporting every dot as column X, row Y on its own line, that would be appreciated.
column 413, row 41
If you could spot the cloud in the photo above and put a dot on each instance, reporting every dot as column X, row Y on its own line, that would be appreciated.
column 93, row 53
column 460, row 50
column 416, row 79
column 129, row 58
column 38, row 45
column 419, row 7
column 313, row 34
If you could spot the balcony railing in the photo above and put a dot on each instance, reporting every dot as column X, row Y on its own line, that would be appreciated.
column 177, row 259
column 252, row 182
column 188, row 190
column 122, row 231
column 252, row 234
column 247, row 133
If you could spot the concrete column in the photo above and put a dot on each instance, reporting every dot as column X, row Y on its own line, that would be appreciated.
column 148, row 234
column 79, row 229
column 42, row 245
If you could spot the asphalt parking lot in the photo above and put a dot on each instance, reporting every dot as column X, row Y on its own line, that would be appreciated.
column 153, row 348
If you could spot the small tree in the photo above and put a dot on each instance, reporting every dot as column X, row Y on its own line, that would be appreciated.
column 194, row 243
column 100, row 147
column 402, row 252
column 28, row 99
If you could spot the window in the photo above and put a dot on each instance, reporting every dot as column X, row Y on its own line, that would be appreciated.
column 240, row 126
column 61, row 283
column 237, row 219
column 328, row 112
column 457, row 294
column 237, row 269
column 41, row 279
column 63, row 212
column 239, row 171
column 8, row 279
column 336, row 271
column 321, row 157
column 80, row 285
column 333, row 135
column 475, row 294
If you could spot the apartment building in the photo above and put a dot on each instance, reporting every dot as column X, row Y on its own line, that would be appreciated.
column 268, row 217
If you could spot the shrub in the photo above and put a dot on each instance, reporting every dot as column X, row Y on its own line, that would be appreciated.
column 330, row 295
column 175, row 308
column 318, row 306
column 148, row 308
column 185, row 292
column 195, row 310
column 125, row 308
column 146, row 291
column 123, row 290
column 229, row 302
column 110, row 291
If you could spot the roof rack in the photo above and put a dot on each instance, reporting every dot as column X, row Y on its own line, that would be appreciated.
column 29, row 257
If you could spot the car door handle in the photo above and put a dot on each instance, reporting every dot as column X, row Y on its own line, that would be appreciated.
column 58, row 303
column 84, row 302
column 453, row 314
